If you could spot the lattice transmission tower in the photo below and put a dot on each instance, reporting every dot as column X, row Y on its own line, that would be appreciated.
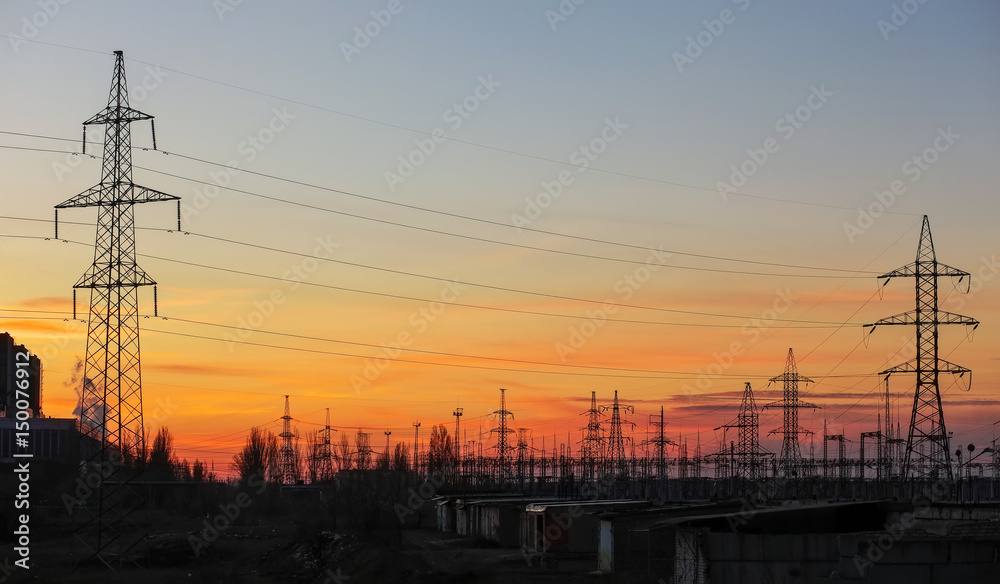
column 790, row 460
column 111, row 423
column 502, row 463
column 659, row 441
column 591, row 446
column 286, row 450
column 615, row 453
column 747, row 453
column 927, row 453
column 324, row 452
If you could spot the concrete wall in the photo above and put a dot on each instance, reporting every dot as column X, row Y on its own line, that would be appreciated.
column 881, row 557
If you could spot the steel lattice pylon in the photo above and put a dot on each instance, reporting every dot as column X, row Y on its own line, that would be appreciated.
column 324, row 452
column 111, row 423
column 747, row 453
column 286, row 451
column 502, row 468
column 591, row 445
column 615, row 451
column 927, row 451
column 790, row 461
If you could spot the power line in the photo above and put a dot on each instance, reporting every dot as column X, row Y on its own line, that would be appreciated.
column 468, row 142
column 853, row 273
column 450, row 303
column 438, row 278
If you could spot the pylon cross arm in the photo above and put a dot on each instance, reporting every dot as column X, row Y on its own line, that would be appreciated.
column 939, row 317
column 134, row 195
column 942, row 366
column 912, row 270
column 115, row 115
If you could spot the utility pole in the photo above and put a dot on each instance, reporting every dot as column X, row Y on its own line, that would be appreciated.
column 458, row 446
column 111, row 424
column 927, row 453
column 416, row 453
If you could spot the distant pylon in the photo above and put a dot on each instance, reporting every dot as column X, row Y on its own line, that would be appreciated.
column 286, row 451
column 747, row 449
column 616, row 441
column 111, row 422
column 363, row 444
column 659, row 442
column 790, row 460
column 590, row 446
column 502, row 465
column 324, row 452
column 927, row 452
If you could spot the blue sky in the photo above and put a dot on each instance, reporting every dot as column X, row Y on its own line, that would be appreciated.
column 888, row 95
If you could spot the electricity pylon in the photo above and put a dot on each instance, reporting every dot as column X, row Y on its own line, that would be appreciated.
column 590, row 446
column 286, row 452
column 660, row 442
column 111, row 423
column 502, row 465
column 927, row 453
column 616, row 441
column 324, row 452
column 790, row 460
column 747, row 451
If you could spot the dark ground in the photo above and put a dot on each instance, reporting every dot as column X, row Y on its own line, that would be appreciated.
column 282, row 551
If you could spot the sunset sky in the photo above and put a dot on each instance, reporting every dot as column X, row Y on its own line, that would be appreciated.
column 658, row 198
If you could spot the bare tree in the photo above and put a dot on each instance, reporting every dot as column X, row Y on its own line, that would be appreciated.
column 344, row 451
column 311, row 456
column 401, row 457
column 441, row 453
column 259, row 456
column 161, row 456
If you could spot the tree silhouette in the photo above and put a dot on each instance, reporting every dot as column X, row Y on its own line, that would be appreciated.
column 259, row 456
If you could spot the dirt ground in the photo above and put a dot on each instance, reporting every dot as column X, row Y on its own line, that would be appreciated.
column 281, row 552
